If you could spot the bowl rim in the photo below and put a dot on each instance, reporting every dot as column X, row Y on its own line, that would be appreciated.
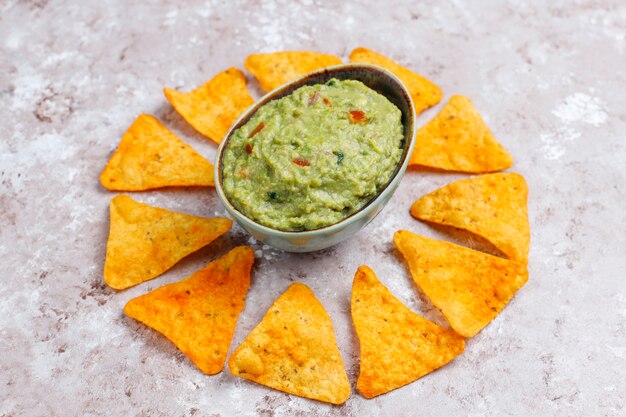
column 292, row 85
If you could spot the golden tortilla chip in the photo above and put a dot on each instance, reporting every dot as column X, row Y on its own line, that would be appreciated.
column 425, row 93
column 145, row 241
column 150, row 156
column 213, row 107
column 398, row 346
column 469, row 287
column 457, row 139
column 493, row 206
column 199, row 313
column 293, row 349
column 277, row 68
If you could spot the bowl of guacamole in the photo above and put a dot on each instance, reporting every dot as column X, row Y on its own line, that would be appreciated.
column 315, row 160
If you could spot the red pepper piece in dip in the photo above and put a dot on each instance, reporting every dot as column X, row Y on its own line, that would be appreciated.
column 301, row 162
column 256, row 130
column 357, row 116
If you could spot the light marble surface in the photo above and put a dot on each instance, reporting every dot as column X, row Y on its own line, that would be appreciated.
column 549, row 78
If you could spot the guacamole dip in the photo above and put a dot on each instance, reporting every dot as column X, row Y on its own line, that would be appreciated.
column 314, row 157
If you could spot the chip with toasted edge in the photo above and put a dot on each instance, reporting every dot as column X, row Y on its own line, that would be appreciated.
column 457, row 139
column 277, row 68
column 293, row 349
column 145, row 241
column 493, row 206
column 150, row 156
column 424, row 92
column 469, row 287
column 213, row 107
column 397, row 345
column 199, row 313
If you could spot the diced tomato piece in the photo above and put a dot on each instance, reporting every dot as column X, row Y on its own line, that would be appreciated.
column 301, row 162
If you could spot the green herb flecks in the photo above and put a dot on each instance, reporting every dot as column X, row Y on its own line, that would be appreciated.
column 339, row 157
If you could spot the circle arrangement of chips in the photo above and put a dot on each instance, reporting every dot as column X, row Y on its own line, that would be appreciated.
column 293, row 349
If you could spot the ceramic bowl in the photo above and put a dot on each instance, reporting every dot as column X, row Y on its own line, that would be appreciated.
column 376, row 78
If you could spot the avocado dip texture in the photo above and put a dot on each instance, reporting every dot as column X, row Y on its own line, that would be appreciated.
column 314, row 157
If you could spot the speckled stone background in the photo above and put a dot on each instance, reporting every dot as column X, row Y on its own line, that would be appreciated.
column 549, row 78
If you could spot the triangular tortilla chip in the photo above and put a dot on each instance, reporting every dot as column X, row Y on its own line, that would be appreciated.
column 424, row 92
column 277, row 68
column 145, row 241
column 469, row 287
column 150, row 156
column 199, row 313
column 397, row 345
column 457, row 139
column 293, row 349
column 493, row 206
column 213, row 107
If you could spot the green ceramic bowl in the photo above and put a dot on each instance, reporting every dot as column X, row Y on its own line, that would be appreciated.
column 376, row 78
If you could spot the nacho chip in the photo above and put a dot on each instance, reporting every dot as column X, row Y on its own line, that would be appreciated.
column 398, row 346
column 145, row 241
column 457, row 139
column 469, row 287
column 277, row 68
column 493, row 206
column 199, row 313
column 150, row 156
column 213, row 107
column 425, row 93
column 293, row 349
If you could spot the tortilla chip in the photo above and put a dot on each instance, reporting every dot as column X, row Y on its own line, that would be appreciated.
column 493, row 206
column 293, row 349
column 457, row 139
column 150, row 156
column 469, row 287
column 398, row 346
column 145, row 241
column 213, row 107
column 277, row 68
column 425, row 93
column 199, row 313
